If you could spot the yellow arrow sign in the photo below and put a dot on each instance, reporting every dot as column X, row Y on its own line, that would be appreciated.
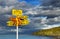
column 25, row 22
column 16, row 12
column 21, row 19
column 10, row 23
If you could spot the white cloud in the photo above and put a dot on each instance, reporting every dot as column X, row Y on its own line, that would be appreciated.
column 5, row 9
column 44, row 23
column 19, row 30
column 10, row 4
column 36, row 22
column 3, row 29
column 39, row 10
column 14, row 30
column 50, row 26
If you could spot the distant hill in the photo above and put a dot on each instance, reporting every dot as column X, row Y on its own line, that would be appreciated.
column 48, row 32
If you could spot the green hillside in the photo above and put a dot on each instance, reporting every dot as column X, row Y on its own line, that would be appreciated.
column 48, row 32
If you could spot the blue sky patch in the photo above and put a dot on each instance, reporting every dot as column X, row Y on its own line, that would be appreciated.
column 33, row 2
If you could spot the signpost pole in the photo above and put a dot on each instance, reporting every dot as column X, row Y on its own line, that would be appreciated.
column 17, row 29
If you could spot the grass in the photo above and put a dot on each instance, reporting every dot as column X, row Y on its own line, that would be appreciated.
column 48, row 32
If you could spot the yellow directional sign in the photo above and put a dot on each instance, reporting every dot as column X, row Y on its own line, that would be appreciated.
column 16, row 12
column 10, row 23
column 25, row 22
column 25, row 17
column 21, row 19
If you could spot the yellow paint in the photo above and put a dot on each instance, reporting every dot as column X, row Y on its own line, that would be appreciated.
column 25, row 22
column 19, row 16
column 17, row 12
column 16, row 22
column 9, row 23
column 25, row 17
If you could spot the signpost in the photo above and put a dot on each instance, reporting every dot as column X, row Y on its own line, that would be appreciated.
column 18, row 20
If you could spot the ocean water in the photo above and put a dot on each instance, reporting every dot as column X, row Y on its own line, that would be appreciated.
column 23, row 37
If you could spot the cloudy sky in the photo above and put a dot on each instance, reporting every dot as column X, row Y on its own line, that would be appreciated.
column 42, row 14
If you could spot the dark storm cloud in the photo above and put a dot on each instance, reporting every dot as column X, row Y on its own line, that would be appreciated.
column 54, row 3
column 36, row 22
